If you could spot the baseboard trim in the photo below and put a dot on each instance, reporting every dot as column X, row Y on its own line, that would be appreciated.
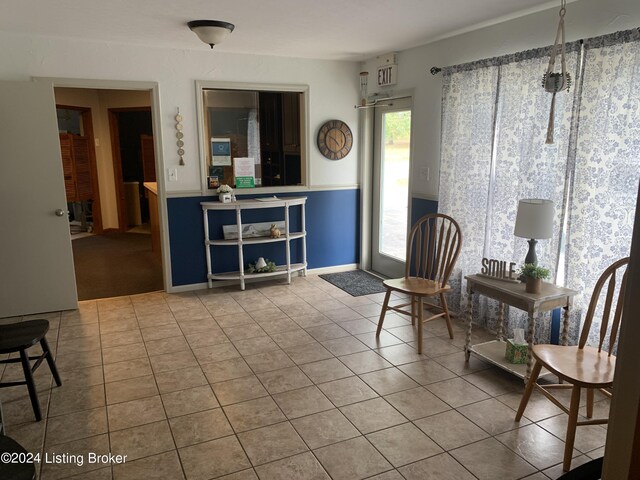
column 187, row 288
column 334, row 269
column 217, row 284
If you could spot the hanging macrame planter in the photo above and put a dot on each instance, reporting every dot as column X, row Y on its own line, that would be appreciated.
column 554, row 82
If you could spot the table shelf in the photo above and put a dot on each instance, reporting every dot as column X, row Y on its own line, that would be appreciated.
column 257, row 240
column 494, row 353
column 280, row 269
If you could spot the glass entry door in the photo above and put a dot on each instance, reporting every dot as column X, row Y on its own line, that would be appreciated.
column 392, row 160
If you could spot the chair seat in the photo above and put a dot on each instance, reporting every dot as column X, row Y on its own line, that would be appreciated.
column 585, row 367
column 415, row 286
column 18, row 336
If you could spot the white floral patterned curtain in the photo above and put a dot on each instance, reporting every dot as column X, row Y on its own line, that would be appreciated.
column 491, row 157
column 526, row 167
column 469, row 103
column 607, row 164
column 493, row 153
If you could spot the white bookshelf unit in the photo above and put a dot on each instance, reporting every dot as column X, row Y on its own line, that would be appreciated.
column 287, row 236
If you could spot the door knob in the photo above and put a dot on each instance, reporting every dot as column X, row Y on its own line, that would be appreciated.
column 59, row 212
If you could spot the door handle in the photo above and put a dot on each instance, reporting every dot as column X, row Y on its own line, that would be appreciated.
column 59, row 212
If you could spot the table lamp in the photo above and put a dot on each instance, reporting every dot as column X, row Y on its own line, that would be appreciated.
column 534, row 221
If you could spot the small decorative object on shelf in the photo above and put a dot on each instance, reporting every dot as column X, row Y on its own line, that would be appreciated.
column 275, row 231
column 517, row 347
column 225, row 193
column 498, row 269
column 533, row 276
column 261, row 266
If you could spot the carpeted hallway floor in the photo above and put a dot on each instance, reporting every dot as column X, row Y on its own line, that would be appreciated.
column 115, row 264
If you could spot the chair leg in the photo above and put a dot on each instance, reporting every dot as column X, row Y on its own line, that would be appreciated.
column 571, row 427
column 52, row 364
column 528, row 390
column 445, row 307
column 420, row 318
column 590, row 392
column 413, row 310
column 28, row 376
column 385, row 306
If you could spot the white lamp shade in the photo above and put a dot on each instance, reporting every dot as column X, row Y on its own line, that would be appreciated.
column 211, row 32
column 534, row 219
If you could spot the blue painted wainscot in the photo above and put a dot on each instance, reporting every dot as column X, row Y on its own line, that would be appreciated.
column 421, row 207
column 333, row 234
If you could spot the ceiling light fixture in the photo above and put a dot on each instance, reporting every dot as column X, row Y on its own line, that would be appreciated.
column 211, row 32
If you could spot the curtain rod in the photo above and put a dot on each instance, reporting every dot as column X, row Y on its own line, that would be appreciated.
column 623, row 36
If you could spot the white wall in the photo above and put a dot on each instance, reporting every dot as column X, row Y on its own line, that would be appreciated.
column 333, row 88
column 584, row 19
column 100, row 101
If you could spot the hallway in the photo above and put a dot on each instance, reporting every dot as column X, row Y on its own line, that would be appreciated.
column 116, row 264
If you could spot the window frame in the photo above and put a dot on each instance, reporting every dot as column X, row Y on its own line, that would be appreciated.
column 202, row 85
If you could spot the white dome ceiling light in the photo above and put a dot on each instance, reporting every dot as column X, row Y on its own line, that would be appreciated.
column 211, row 32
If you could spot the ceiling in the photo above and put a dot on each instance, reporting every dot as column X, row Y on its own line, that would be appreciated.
column 326, row 29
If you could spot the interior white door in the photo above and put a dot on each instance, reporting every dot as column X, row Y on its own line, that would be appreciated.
column 36, row 260
column 391, row 167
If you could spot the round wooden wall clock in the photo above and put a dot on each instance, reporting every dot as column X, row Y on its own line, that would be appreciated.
column 335, row 139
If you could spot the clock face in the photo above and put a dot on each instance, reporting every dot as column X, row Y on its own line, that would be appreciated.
column 335, row 139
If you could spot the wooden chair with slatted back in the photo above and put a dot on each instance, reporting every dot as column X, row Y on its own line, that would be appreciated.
column 582, row 366
column 433, row 247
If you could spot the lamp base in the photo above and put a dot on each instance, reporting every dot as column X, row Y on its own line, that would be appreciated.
column 530, row 258
column 531, row 254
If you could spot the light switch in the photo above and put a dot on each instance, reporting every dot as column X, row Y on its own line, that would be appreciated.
column 173, row 174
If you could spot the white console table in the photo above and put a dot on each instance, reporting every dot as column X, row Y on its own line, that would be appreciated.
column 251, row 204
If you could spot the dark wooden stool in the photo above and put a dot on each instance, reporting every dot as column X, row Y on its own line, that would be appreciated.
column 18, row 337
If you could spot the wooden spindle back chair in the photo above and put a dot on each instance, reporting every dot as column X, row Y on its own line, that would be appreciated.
column 583, row 366
column 433, row 247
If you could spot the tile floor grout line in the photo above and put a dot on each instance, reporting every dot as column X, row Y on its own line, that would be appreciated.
column 235, row 435
column 175, row 445
column 104, row 386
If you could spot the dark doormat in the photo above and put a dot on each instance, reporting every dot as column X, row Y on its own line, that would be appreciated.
column 356, row 282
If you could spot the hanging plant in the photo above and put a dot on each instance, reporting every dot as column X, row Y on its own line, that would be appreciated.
column 555, row 82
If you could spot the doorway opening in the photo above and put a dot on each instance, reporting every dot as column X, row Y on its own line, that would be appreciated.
column 392, row 164
column 134, row 165
column 111, row 222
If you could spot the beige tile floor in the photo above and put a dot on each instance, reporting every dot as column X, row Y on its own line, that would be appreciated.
column 279, row 382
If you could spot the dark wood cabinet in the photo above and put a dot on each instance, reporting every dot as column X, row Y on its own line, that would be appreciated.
column 270, row 121
column 291, row 122
column 280, row 138
column 147, row 152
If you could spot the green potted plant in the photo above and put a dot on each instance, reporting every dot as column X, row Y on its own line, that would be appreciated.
column 534, row 275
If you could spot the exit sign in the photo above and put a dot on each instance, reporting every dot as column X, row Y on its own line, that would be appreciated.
column 387, row 75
